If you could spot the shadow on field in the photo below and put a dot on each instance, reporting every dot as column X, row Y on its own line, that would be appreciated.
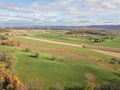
column 33, row 56
column 117, row 74
column 112, row 81
column 46, row 58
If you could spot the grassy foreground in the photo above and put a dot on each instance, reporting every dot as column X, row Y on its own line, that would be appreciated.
column 43, row 72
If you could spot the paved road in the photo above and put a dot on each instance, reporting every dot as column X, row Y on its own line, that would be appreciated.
column 114, row 54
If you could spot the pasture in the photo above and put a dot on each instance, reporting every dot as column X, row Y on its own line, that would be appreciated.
column 60, row 66
column 79, row 38
column 68, row 69
column 112, row 43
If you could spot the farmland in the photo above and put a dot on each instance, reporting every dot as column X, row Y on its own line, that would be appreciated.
column 113, row 43
column 59, row 44
column 59, row 65
column 111, row 40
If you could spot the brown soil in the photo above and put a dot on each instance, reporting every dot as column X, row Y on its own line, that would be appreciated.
column 91, row 79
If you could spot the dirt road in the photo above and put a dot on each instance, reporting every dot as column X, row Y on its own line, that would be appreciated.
column 52, row 41
column 114, row 54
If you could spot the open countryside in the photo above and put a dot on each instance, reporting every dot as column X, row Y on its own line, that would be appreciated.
column 51, row 63
column 59, row 44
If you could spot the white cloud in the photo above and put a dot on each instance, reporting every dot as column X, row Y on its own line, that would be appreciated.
column 107, row 6
column 91, row 2
column 61, row 11
column 14, row 7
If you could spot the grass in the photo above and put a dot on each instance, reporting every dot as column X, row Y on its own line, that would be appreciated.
column 112, row 43
column 47, row 73
column 42, row 72
column 83, row 50
column 60, row 37
column 80, row 40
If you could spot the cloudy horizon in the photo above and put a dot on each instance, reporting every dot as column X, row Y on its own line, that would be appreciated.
column 59, row 12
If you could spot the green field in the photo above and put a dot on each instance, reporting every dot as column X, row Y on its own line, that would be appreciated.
column 46, row 73
column 112, row 43
column 82, row 50
column 43, row 72
column 61, row 35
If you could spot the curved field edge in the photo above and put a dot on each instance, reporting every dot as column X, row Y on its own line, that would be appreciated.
column 48, row 73
column 58, row 37
column 45, row 73
column 83, row 50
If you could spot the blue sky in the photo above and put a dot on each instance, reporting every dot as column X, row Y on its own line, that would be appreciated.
column 59, row 12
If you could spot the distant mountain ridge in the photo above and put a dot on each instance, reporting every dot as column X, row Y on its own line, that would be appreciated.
column 100, row 27
column 105, row 27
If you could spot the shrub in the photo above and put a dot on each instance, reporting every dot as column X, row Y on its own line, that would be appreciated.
column 2, row 57
column 53, row 58
column 9, row 43
column 10, row 87
column 37, row 54
column 13, row 83
column 113, row 58
column 3, row 37
column 9, row 58
column 25, row 34
column 27, row 50
column 16, row 80
column 18, row 44
column 7, row 34
column 83, row 46
column 112, row 62
column 118, row 61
